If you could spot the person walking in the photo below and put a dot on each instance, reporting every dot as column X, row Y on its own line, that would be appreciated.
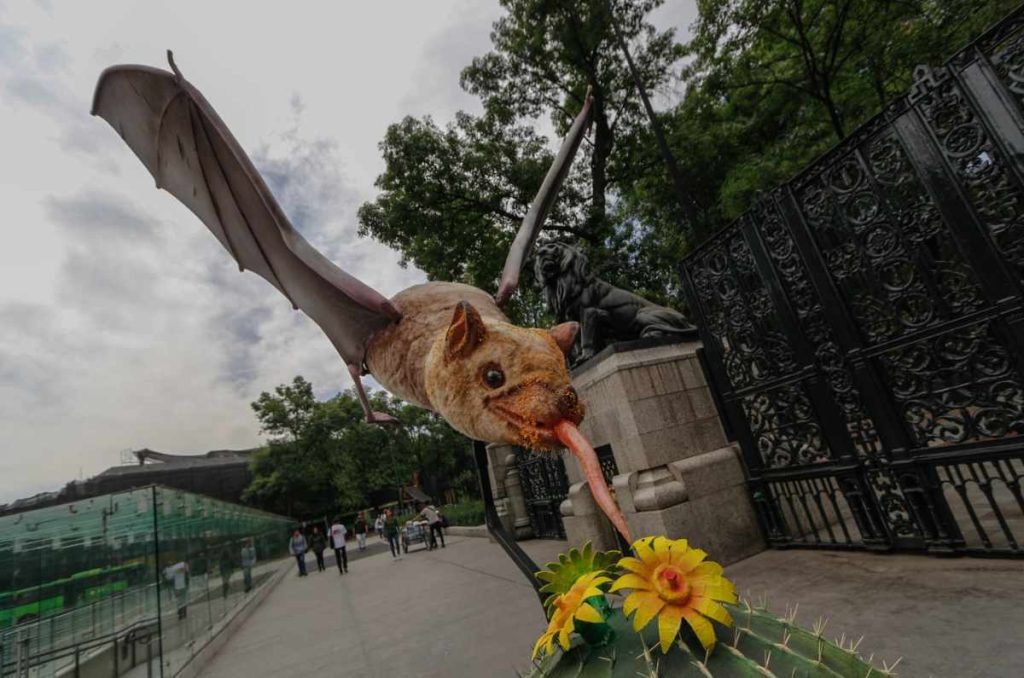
column 378, row 526
column 178, row 575
column 226, row 565
column 338, row 533
column 390, row 530
column 360, row 530
column 248, row 561
column 433, row 518
column 298, row 548
column 318, row 543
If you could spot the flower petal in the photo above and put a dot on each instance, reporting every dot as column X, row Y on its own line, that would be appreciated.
column 631, row 602
column 587, row 613
column 709, row 608
column 644, row 551
column 631, row 581
column 690, row 559
column 635, row 565
column 563, row 635
column 650, row 605
column 669, row 622
column 701, row 626
column 707, row 568
column 720, row 589
column 539, row 644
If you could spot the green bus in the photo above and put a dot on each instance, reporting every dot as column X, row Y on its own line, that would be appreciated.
column 81, row 588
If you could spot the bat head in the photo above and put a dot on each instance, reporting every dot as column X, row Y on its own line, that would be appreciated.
column 501, row 383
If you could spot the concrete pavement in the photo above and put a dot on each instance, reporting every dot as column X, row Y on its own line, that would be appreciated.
column 466, row 611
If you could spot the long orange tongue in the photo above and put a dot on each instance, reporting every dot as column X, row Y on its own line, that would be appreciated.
column 571, row 437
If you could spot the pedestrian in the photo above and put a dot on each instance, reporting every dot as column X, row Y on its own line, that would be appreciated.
column 226, row 565
column 298, row 548
column 360, row 530
column 248, row 560
column 433, row 517
column 338, row 533
column 378, row 525
column 178, row 575
column 317, row 542
column 390, row 530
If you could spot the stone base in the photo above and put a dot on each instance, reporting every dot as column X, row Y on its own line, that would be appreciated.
column 715, row 513
column 676, row 474
column 585, row 522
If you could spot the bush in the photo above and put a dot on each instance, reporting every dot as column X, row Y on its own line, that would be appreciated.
column 469, row 513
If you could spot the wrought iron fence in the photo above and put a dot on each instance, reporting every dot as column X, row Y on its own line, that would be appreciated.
column 545, row 487
column 863, row 325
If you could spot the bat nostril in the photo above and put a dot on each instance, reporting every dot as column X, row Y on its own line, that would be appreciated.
column 569, row 401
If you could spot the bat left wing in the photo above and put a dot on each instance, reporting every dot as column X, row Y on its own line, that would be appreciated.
column 191, row 153
column 542, row 203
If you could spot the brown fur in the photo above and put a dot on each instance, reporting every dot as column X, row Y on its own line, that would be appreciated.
column 437, row 357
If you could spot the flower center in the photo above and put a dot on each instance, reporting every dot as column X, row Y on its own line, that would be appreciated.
column 670, row 583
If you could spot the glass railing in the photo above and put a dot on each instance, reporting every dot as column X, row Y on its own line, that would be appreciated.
column 132, row 583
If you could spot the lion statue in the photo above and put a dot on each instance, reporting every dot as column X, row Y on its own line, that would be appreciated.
column 606, row 313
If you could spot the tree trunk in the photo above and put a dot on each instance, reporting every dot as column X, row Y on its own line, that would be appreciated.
column 603, row 142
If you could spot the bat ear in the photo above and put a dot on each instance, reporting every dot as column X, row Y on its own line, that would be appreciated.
column 465, row 332
column 564, row 335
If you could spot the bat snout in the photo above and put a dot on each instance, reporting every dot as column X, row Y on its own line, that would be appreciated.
column 570, row 406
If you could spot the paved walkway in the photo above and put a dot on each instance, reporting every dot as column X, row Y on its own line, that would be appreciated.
column 466, row 611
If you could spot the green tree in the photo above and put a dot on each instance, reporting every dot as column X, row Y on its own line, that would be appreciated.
column 451, row 199
column 323, row 457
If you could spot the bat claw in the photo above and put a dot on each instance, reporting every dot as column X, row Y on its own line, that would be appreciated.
column 381, row 418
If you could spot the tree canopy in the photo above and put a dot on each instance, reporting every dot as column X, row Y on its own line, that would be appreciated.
column 769, row 85
column 322, row 458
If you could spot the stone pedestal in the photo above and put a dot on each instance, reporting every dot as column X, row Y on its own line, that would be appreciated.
column 507, row 490
column 677, row 474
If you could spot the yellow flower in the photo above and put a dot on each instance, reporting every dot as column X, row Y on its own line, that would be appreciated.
column 569, row 606
column 671, row 581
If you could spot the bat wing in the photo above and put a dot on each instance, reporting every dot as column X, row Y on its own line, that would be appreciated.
column 542, row 203
column 191, row 153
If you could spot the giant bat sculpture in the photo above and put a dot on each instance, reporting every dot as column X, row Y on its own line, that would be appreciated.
column 443, row 346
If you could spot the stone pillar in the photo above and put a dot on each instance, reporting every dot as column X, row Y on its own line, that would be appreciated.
column 507, row 490
column 521, row 526
column 677, row 474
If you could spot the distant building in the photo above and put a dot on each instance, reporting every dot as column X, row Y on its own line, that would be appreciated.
column 222, row 474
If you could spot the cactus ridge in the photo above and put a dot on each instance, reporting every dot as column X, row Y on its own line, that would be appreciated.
column 762, row 645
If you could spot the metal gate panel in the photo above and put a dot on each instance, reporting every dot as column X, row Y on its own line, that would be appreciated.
column 863, row 325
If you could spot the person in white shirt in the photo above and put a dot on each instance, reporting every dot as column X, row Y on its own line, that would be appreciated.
column 431, row 515
column 178, row 574
column 338, row 533
column 378, row 526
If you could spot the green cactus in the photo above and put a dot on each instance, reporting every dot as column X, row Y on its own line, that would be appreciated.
column 559, row 577
column 760, row 644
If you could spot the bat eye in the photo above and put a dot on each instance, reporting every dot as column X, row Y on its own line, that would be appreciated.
column 494, row 377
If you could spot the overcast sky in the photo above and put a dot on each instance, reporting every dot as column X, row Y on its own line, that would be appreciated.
column 123, row 323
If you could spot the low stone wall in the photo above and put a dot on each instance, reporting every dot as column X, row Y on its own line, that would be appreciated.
column 467, row 531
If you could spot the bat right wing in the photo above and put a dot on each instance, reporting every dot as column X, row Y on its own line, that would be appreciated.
column 542, row 203
column 191, row 153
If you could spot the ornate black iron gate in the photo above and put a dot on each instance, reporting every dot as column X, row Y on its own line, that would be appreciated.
column 863, row 326
column 545, row 487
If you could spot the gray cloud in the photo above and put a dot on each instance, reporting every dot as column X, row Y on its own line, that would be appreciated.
column 101, row 215
column 11, row 44
column 448, row 52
